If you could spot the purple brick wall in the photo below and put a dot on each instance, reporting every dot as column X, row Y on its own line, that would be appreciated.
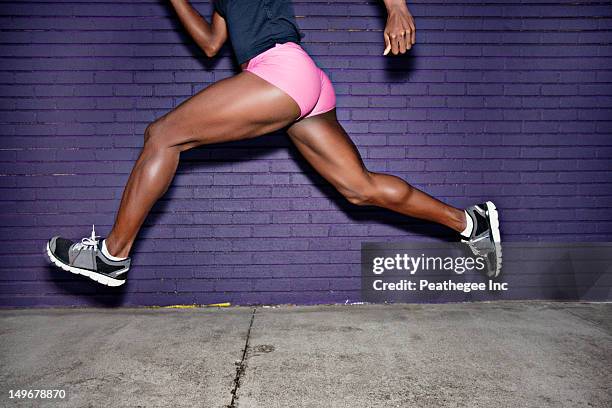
column 510, row 101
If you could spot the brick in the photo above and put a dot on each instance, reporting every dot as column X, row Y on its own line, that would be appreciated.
column 501, row 100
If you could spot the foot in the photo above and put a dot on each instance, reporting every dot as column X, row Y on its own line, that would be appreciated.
column 86, row 258
column 485, row 239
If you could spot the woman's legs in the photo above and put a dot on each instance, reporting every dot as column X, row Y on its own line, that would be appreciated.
column 239, row 107
column 245, row 106
column 327, row 147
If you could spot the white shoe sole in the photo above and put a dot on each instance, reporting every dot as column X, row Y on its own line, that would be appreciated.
column 104, row 280
column 494, row 217
column 494, row 222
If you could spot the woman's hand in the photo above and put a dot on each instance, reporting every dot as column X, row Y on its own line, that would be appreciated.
column 400, row 31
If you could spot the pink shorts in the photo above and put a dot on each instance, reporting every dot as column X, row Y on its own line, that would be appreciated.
column 291, row 69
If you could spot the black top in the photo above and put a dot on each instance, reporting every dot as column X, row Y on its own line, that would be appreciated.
column 256, row 25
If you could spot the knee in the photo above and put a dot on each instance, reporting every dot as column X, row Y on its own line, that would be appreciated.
column 358, row 198
column 153, row 135
column 360, row 193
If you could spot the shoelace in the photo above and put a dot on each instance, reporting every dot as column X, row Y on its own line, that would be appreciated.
column 88, row 243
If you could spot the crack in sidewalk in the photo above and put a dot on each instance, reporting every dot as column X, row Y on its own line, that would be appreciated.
column 241, row 366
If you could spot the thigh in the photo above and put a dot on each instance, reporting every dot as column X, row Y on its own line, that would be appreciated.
column 234, row 108
column 327, row 147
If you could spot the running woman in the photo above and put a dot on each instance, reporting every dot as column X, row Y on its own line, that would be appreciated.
column 279, row 86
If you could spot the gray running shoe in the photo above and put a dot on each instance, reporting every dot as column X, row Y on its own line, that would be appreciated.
column 85, row 258
column 485, row 240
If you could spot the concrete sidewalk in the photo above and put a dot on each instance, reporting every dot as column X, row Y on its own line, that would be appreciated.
column 527, row 354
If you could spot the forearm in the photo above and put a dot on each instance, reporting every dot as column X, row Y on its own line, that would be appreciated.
column 394, row 4
column 200, row 30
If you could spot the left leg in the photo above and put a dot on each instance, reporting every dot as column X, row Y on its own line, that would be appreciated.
column 327, row 147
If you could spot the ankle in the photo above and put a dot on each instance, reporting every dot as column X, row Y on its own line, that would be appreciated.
column 468, row 225
column 457, row 220
column 114, row 250
column 463, row 222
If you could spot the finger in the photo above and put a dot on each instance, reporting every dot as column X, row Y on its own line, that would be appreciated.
column 402, row 41
column 388, row 44
column 406, row 39
column 413, row 34
column 394, row 43
column 409, row 32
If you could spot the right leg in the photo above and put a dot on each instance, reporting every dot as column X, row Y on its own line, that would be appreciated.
column 328, row 148
column 239, row 107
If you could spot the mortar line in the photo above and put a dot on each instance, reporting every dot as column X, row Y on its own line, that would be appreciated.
column 242, row 365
